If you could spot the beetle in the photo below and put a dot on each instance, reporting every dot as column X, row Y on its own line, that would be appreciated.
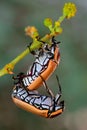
column 32, row 101
column 47, row 60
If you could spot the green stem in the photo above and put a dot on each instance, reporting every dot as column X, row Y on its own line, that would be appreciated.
column 19, row 57
column 33, row 47
column 24, row 53
column 8, row 68
column 61, row 18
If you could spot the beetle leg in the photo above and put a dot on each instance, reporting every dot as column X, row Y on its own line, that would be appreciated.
column 60, row 91
column 58, row 105
column 19, row 81
column 32, row 52
column 54, row 41
column 55, row 61
column 47, row 88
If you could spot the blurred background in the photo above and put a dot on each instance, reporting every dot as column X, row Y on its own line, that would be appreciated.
column 15, row 15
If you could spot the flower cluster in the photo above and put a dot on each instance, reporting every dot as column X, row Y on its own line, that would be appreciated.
column 31, row 31
column 55, row 29
column 69, row 10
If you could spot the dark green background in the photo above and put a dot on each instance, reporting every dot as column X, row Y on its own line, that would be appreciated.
column 15, row 15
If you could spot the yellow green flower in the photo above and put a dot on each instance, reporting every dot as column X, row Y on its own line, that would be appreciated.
column 57, row 23
column 48, row 23
column 69, row 10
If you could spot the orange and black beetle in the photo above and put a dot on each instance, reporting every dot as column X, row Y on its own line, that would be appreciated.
column 46, row 62
column 32, row 101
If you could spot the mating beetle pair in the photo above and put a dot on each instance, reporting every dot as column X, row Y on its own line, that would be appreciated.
column 25, row 94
